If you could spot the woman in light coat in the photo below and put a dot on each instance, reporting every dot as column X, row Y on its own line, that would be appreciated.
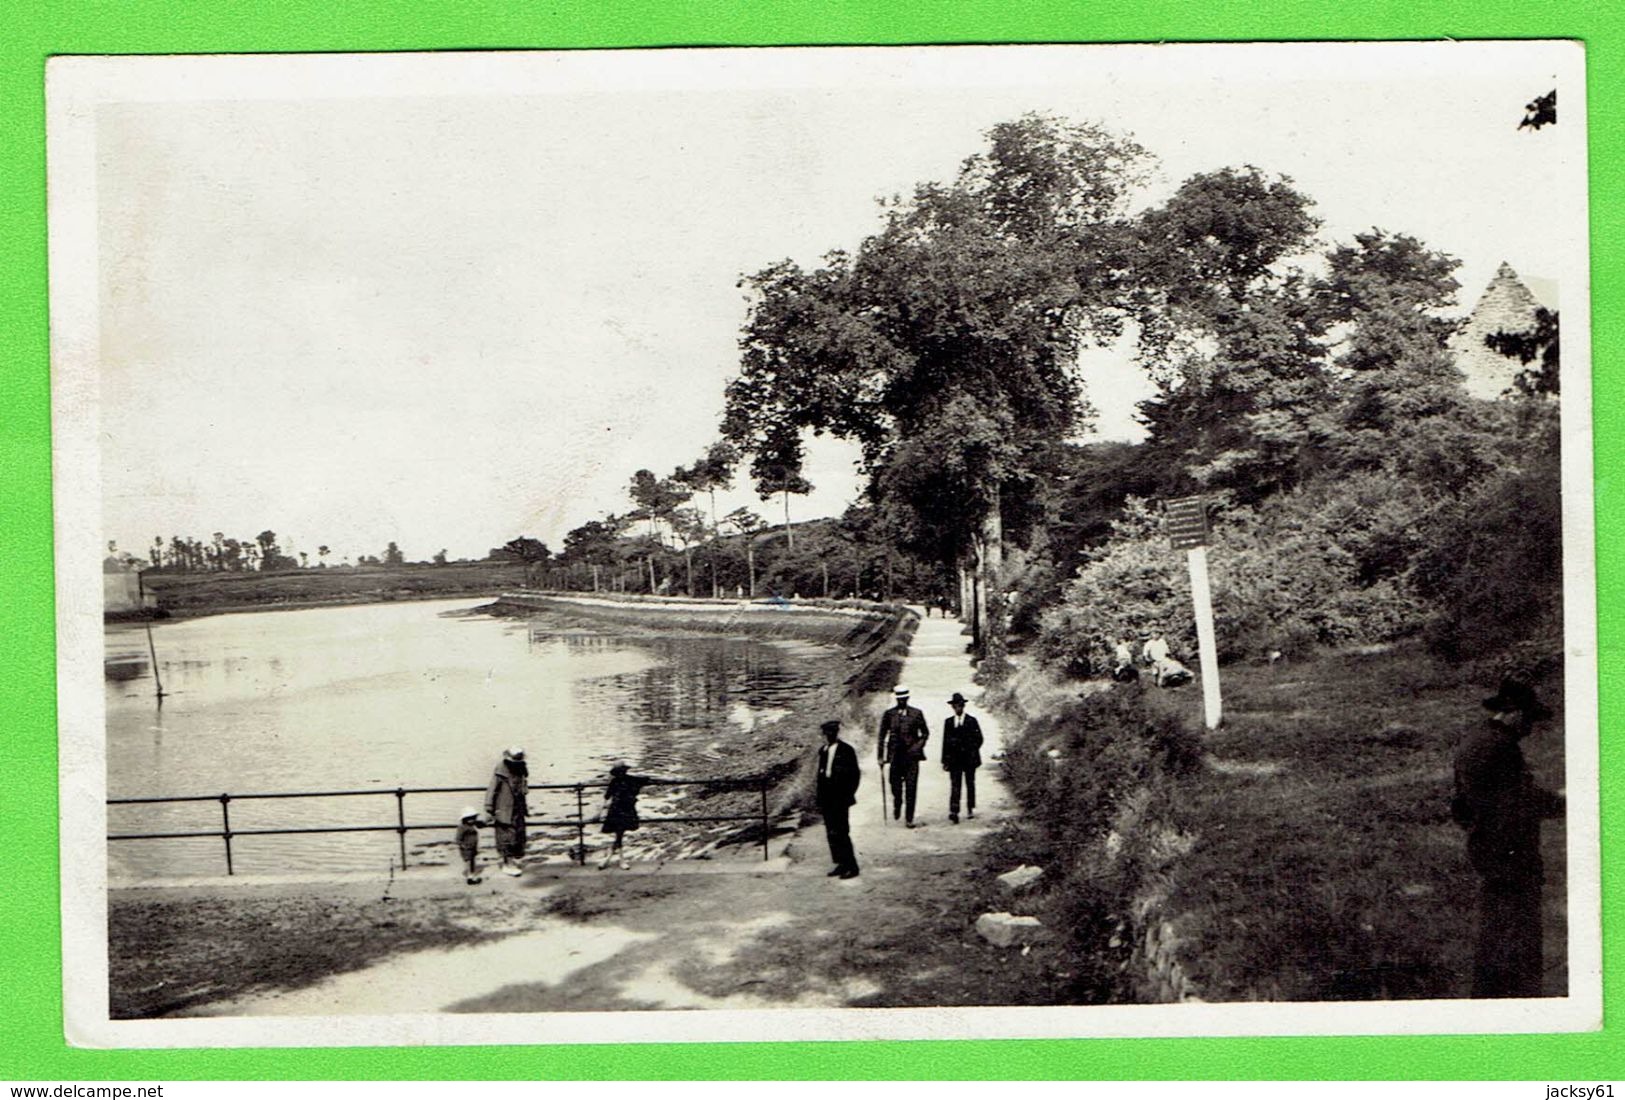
column 505, row 806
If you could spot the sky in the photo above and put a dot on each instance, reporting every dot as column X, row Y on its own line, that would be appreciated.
column 445, row 300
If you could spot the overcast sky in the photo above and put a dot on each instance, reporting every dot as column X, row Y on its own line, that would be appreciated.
column 447, row 300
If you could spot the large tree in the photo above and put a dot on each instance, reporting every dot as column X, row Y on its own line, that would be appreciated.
column 654, row 499
column 1228, row 331
column 713, row 470
column 747, row 523
column 593, row 544
column 945, row 346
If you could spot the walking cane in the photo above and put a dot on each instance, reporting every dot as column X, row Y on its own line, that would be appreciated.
column 882, row 786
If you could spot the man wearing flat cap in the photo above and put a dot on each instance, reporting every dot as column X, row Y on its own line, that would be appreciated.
column 836, row 793
column 903, row 734
column 1497, row 802
column 961, row 756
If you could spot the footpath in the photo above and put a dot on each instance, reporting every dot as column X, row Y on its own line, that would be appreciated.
column 732, row 932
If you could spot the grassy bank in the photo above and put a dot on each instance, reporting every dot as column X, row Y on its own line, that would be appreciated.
column 1304, row 851
column 171, row 952
column 208, row 593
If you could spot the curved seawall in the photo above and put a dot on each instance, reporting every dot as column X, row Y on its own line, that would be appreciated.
column 853, row 652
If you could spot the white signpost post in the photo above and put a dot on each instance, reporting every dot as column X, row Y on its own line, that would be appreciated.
column 1188, row 531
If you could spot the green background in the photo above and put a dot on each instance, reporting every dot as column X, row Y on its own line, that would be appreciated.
column 31, row 1025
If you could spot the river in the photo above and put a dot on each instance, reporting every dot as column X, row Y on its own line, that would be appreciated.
column 415, row 694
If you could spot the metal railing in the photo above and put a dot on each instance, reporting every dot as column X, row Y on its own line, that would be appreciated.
column 579, row 821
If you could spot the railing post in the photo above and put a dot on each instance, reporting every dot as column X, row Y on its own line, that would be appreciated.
column 225, row 821
column 581, row 826
column 764, row 819
column 400, row 821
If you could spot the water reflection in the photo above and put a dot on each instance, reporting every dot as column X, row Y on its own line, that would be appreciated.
column 409, row 695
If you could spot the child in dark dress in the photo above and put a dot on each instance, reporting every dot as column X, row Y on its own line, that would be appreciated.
column 468, row 842
column 620, row 811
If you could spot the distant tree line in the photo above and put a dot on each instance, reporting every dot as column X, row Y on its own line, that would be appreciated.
column 262, row 553
column 669, row 542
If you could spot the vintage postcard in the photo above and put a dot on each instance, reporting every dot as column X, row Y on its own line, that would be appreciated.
column 763, row 544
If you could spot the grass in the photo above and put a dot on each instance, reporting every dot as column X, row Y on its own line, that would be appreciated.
column 1315, row 855
column 203, row 593
column 169, row 954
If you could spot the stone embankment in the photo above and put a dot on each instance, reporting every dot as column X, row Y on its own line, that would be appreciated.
column 1146, row 938
column 853, row 652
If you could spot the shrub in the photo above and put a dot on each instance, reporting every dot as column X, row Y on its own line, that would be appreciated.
column 1326, row 564
column 1494, row 566
column 1073, row 768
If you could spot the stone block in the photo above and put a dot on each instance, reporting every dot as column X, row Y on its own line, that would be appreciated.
column 1007, row 930
column 1021, row 878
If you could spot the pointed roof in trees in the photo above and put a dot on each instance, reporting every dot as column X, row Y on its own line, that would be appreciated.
column 1505, row 306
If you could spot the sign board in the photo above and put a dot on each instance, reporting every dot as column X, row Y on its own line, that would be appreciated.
column 1187, row 522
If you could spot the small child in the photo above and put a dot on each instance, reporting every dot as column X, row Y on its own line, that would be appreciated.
column 620, row 813
column 468, row 841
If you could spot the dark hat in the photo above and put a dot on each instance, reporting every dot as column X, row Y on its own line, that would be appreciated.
column 1519, row 696
column 620, row 768
column 832, row 726
column 956, row 698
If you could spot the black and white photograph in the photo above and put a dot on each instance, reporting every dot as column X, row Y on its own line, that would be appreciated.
column 824, row 543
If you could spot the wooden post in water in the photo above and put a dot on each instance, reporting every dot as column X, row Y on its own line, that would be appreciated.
column 152, row 651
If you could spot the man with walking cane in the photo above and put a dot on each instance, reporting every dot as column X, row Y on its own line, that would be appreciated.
column 903, row 734
column 835, row 792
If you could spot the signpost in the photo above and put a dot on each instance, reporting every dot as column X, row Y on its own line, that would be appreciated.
column 1188, row 531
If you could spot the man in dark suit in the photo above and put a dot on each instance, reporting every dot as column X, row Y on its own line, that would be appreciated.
column 903, row 734
column 836, row 793
column 961, row 756
column 1499, row 804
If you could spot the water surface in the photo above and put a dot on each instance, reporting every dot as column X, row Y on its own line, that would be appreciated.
column 418, row 694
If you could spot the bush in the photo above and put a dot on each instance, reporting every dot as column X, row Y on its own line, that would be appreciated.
column 1326, row 564
column 1072, row 769
column 1494, row 567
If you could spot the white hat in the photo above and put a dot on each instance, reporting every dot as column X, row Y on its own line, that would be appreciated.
column 468, row 812
column 899, row 691
column 515, row 753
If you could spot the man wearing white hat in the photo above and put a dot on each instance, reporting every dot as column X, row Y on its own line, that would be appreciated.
column 505, row 805
column 903, row 734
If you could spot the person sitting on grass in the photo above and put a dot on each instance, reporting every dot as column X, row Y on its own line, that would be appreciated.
column 1166, row 670
column 621, row 811
column 1123, row 670
column 468, row 842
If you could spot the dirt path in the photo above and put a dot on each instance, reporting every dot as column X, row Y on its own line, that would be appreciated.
column 734, row 934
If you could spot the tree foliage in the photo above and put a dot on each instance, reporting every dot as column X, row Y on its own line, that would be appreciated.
column 1541, row 341
column 526, row 549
